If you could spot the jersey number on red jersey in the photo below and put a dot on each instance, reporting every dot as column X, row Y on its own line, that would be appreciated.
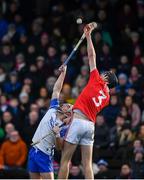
column 100, row 98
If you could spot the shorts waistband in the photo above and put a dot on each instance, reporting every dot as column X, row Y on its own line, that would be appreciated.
column 48, row 151
column 77, row 115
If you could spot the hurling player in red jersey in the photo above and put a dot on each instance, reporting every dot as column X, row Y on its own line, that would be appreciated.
column 94, row 97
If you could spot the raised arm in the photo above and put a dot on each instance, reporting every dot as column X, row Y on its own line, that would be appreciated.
column 90, row 48
column 59, row 83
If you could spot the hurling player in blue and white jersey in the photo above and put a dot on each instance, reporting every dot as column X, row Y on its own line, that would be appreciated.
column 40, row 161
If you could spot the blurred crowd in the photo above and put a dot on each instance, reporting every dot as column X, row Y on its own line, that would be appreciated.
column 35, row 39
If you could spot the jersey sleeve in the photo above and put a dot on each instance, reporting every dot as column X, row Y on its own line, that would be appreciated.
column 94, row 76
column 54, row 103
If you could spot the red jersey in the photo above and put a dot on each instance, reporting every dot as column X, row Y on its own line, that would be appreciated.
column 94, row 97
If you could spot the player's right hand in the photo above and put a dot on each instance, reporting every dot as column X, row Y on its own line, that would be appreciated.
column 56, row 130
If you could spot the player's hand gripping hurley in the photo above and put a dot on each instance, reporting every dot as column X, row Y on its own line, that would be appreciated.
column 37, row 142
column 92, row 25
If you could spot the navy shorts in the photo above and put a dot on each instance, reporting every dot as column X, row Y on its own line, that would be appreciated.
column 39, row 162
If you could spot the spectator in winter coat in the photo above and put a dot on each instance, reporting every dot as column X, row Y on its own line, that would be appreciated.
column 123, row 86
column 138, row 165
column 101, row 138
column 13, row 86
column 116, row 130
column 104, row 172
column 133, row 110
column 110, row 113
column 13, row 152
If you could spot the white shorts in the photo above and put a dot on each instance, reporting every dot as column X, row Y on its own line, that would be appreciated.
column 80, row 132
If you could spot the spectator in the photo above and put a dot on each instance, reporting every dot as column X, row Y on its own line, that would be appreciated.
column 14, row 105
column 126, row 135
column 84, row 71
column 16, row 112
column 126, row 17
column 20, row 28
column 133, row 111
column 110, row 113
column 125, row 140
column 13, row 9
column 7, row 118
column 71, row 70
column 30, row 126
column 138, row 165
column 79, row 85
column 102, row 138
column 50, row 83
column 115, row 131
column 42, row 107
column 132, row 92
column 52, row 57
column 34, row 107
column 103, row 172
column 123, row 86
column 136, row 78
column 43, row 93
column 66, row 91
column 44, row 70
column 20, row 65
column 44, row 42
column 105, row 59
column 7, row 57
column 13, row 152
column 21, row 46
column 24, row 102
column 4, row 104
column 98, row 41
column 137, row 146
column 76, row 172
column 27, row 89
column 13, row 86
column 31, row 53
column 124, row 113
column 11, row 35
column 137, row 56
column 124, row 66
column 103, row 19
column 126, row 172
column 36, row 29
column 9, row 128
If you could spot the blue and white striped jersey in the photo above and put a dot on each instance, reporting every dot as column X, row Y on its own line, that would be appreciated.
column 45, row 127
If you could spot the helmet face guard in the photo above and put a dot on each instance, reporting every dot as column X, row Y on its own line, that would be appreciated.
column 65, row 109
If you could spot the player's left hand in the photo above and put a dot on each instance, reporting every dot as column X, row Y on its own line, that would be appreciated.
column 62, row 68
column 88, row 29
